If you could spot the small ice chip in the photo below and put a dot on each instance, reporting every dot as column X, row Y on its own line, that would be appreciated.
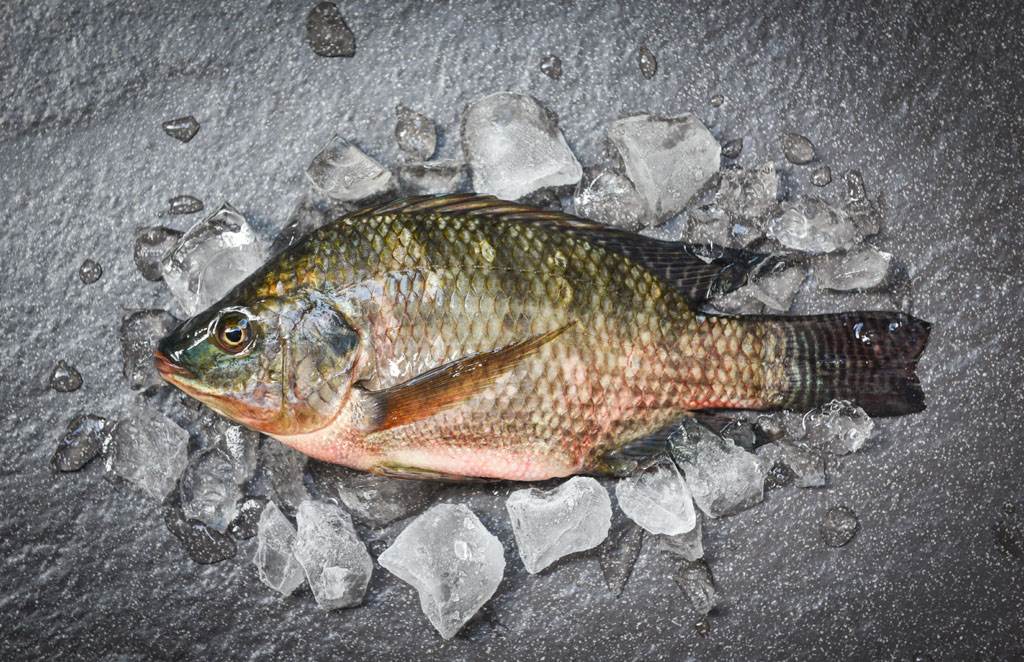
column 454, row 563
column 151, row 244
column 514, row 147
column 550, row 524
column 148, row 450
column 689, row 545
column 813, row 226
column 609, row 198
column 82, row 441
column 657, row 499
column 335, row 560
column 415, row 133
column 696, row 582
column 859, row 269
column 797, row 148
column 212, row 257
column 277, row 565
column 668, row 159
column 342, row 172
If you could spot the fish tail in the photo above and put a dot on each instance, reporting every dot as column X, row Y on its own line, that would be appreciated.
column 868, row 358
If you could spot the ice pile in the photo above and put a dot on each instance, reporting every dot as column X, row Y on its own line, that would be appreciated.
column 148, row 450
column 140, row 332
column 433, row 177
column 342, row 172
column 335, row 560
column 374, row 500
column 415, row 133
column 211, row 486
column 212, row 257
column 813, row 226
column 278, row 568
column 151, row 244
column 550, row 524
column 82, row 441
column 453, row 562
column 657, row 499
column 514, row 147
column 859, row 269
column 610, row 198
column 722, row 477
column 668, row 159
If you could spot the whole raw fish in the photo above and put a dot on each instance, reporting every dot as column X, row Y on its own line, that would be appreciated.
column 465, row 336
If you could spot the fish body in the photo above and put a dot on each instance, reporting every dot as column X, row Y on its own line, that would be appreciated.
column 470, row 337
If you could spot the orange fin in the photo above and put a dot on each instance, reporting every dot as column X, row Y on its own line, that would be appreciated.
column 449, row 384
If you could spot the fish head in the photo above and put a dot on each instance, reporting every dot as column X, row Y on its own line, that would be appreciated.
column 279, row 365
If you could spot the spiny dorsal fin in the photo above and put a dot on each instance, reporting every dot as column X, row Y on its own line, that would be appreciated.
column 449, row 384
column 694, row 271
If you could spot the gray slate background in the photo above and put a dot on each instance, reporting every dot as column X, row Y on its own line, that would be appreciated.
column 925, row 98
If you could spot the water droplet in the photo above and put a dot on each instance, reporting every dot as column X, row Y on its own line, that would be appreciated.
column 90, row 271
column 184, row 204
column 822, row 176
column 717, row 100
column 732, row 148
column 65, row 378
column 648, row 63
column 182, row 128
column 839, row 526
column 551, row 66
column 327, row 33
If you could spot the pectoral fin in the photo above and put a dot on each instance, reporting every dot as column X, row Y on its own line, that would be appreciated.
column 449, row 384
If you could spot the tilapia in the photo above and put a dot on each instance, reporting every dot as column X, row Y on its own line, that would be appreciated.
column 468, row 337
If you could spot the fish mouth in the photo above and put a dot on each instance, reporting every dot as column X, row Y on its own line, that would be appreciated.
column 168, row 369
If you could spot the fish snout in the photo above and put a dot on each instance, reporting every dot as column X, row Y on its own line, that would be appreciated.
column 167, row 368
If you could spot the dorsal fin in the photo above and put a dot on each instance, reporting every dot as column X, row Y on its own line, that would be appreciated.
column 449, row 384
column 694, row 271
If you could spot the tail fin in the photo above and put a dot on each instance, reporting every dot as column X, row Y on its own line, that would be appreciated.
column 865, row 357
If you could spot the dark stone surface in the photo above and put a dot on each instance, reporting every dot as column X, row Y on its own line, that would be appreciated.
column 924, row 98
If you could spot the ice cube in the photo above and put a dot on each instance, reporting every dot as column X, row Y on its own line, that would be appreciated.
column 778, row 289
column 184, row 204
column 285, row 469
column 689, row 545
column 668, row 159
column 797, row 148
column 82, row 441
column 212, row 483
column 335, row 560
column 748, row 196
column 308, row 215
column 90, row 271
column 433, row 177
column 65, row 378
column 514, row 147
column 647, row 62
column 839, row 526
column 140, row 332
column 551, row 66
column 342, row 172
column 327, row 33
column 609, row 198
column 822, row 176
column 657, row 499
column 453, row 562
column 858, row 269
column 804, row 466
column 695, row 580
column 211, row 257
column 415, row 133
column 619, row 553
column 813, row 226
column 709, row 225
column 838, row 427
column 550, row 524
column 278, row 568
column 374, row 500
column 182, row 128
column 201, row 543
column 151, row 244
column 148, row 450
column 723, row 478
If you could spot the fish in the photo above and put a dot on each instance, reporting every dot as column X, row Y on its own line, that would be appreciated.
column 464, row 337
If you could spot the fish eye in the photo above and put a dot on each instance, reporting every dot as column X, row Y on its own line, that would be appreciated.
column 233, row 332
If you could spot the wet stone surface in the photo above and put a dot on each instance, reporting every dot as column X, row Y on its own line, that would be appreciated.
column 89, row 570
